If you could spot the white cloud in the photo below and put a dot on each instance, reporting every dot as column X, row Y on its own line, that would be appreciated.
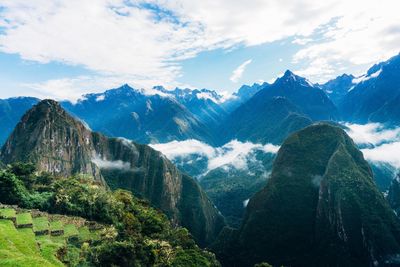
column 372, row 133
column 185, row 148
column 107, row 164
column 385, row 153
column 301, row 41
column 238, row 72
column 121, row 38
column 384, row 144
column 234, row 154
column 365, row 32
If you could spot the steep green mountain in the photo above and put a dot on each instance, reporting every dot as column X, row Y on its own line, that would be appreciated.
column 11, row 111
column 57, row 143
column 61, row 145
column 144, row 117
column 320, row 207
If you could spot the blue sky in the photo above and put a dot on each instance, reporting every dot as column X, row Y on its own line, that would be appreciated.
column 63, row 49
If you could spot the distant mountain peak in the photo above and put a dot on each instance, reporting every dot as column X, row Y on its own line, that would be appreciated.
column 290, row 77
column 289, row 74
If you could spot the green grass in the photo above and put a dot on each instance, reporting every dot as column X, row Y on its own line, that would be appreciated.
column 24, row 218
column 85, row 234
column 40, row 224
column 70, row 230
column 18, row 247
column 7, row 213
column 49, row 248
column 56, row 226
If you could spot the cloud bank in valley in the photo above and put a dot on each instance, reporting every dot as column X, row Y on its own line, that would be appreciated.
column 383, row 144
column 234, row 154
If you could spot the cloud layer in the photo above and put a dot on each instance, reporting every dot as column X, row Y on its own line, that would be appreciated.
column 383, row 145
column 372, row 133
column 234, row 154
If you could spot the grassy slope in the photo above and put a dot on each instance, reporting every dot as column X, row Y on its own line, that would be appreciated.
column 20, row 247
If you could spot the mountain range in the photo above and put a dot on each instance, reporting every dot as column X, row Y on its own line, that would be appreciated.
column 317, row 202
column 261, row 112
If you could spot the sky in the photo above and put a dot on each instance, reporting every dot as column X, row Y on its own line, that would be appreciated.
column 65, row 48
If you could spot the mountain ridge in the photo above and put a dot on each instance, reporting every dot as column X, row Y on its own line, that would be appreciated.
column 321, row 194
column 57, row 143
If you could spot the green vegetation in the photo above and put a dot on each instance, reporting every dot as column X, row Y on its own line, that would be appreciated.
column 123, row 230
column 229, row 189
column 18, row 247
column 24, row 218
column 70, row 230
column 7, row 213
column 47, row 128
column 40, row 224
column 320, row 207
column 56, row 226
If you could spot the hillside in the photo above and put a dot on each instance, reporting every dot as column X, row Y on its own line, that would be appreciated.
column 321, row 195
column 269, row 121
column 97, row 227
column 34, row 238
column 337, row 88
column 274, row 112
column 61, row 145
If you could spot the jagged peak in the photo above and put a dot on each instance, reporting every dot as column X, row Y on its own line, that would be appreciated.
column 47, row 105
column 289, row 74
column 290, row 77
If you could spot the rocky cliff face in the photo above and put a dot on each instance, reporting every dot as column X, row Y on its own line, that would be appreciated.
column 393, row 196
column 319, row 208
column 53, row 140
column 57, row 143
